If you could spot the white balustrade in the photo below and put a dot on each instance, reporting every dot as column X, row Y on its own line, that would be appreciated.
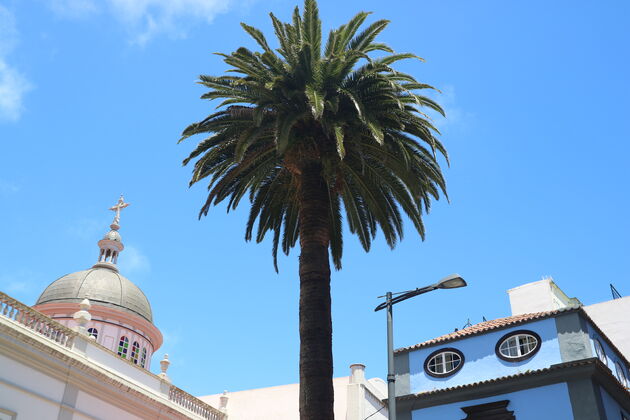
column 194, row 404
column 36, row 321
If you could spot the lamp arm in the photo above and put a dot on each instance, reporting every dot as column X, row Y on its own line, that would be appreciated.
column 406, row 295
column 413, row 293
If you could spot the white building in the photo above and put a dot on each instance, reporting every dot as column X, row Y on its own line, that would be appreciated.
column 356, row 398
column 73, row 358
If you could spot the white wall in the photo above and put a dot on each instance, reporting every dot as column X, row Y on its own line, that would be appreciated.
column 613, row 318
column 27, row 392
column 355, row 399
column 539, row 296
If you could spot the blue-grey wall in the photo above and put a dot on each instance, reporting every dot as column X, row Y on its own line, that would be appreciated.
column 481, row 362
column 611, row 356
column 611, row 407
column 549, row 402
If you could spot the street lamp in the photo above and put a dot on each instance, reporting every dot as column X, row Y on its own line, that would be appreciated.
column 449, row 282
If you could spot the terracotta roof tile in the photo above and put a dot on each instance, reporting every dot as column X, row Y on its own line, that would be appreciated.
column 486, row 326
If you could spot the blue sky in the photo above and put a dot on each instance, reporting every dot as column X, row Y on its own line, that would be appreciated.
column 93, row 96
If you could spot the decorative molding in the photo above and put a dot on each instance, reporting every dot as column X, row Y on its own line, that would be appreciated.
column 491, row 411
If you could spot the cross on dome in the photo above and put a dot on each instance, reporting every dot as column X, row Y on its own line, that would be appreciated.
column 117, row 208
column 111, row 245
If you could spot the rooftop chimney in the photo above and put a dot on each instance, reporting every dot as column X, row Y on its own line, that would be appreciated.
column 539, row 296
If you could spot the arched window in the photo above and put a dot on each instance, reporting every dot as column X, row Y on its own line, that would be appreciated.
column 143, row 357
column 518, row 345
column 599, row 351
column 93, row 332
column 621, row 374
column 123, row 346
column 135, row 349
column 444, row 362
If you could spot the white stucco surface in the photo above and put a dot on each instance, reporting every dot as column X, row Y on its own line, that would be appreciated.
column 613, row 318
column 25, row 391
column 539, row 296
column 282, row 402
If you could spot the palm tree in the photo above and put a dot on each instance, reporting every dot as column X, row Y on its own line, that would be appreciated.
column 309, row 134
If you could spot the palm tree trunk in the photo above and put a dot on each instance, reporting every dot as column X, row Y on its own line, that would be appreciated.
column 316, row 367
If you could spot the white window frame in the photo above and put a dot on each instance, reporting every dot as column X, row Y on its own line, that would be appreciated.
column 456, row 361
column 621, row 374
column 514, row 342
column 143, row 357
column 599, row 351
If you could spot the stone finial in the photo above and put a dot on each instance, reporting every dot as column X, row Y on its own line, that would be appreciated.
column 82, row 317
column 164, row 364
column 357, row 373
column 223, row 401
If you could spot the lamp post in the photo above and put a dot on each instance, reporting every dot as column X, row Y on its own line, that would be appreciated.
column 450, row 282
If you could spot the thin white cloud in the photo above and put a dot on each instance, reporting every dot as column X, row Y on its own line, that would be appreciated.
column 171, row 338
column 13, row 85
column 18, row 287
column 146, row 18
column 24, row 284
column 74, row 8
column 131, row 260
column 455, row 115
column 8, row 187
column 86, row 228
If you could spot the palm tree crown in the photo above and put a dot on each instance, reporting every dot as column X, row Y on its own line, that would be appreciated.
column 356, row 115
column 307, row 133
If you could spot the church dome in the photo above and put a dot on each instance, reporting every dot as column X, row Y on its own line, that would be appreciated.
column 102, row 285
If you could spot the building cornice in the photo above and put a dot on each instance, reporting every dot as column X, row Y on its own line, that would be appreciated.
column 558, row 373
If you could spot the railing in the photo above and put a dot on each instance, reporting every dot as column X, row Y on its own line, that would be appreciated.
column 194, row 404
column 615, row 292
column 36, row 321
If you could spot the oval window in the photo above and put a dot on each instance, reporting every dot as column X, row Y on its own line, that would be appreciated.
column 599, row 351
column 621, row 375
column 444, row 362
column 518, row 345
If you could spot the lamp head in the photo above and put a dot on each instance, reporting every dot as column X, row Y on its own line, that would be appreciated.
column 451, row 282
